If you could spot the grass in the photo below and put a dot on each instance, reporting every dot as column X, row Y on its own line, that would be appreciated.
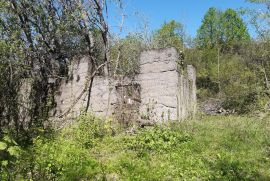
column 209, row 148
column 219, row 148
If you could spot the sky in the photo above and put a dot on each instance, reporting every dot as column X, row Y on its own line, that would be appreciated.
column 154, row 13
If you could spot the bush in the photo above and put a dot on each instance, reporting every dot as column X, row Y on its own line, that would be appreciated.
column 157, row 139
column 9, row 154
column 62, row 159
column 65, row 155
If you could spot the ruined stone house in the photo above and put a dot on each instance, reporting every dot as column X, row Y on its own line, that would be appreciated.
column 160, row 92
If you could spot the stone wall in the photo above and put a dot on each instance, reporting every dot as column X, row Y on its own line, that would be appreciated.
column 160, row 92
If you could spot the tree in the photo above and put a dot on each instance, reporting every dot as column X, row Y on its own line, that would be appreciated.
column 221, row 29
column 233, row 29
column 260, row 20
column 170, row 34
column 209, row 33
column 40, row 39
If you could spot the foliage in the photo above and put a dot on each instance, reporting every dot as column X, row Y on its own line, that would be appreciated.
column 170, row 34
column 212, row 148
column 209, row 33
column 39, row 39
column 233, row 29
column 157, row 139
column 230, row 66
column 66, row 155
column 63, row 159
column 260, row 19
column 223, row 29
column 9, row 155
column 126, row 54
column 241, row 77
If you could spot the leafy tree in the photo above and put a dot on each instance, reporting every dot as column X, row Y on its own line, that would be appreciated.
column 209, row 32
column 170, row 34
column 234, row 29
column 222, row 29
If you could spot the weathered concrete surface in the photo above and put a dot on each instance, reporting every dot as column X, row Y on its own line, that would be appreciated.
column 166, row 92
column 159, row 93
column 25, row 101
column 71, row 87
column 187, row 100
column 103, row 93
column 159, row 84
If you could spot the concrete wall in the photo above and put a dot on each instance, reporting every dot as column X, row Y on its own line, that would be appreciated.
column 159, row 93
column 186, row 98
column 159, row 84
column 71, row 87
column 167, row 92
column 103, row 93
column 24, row 100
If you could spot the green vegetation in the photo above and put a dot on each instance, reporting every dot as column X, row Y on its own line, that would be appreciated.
column 208, row 148
column 170, row 34
column 230, row 65
column 222, row 29
column 39, row 40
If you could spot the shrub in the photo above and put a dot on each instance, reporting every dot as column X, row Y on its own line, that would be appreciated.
column 65, row 155
column 9, row 154
column 158, row 139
